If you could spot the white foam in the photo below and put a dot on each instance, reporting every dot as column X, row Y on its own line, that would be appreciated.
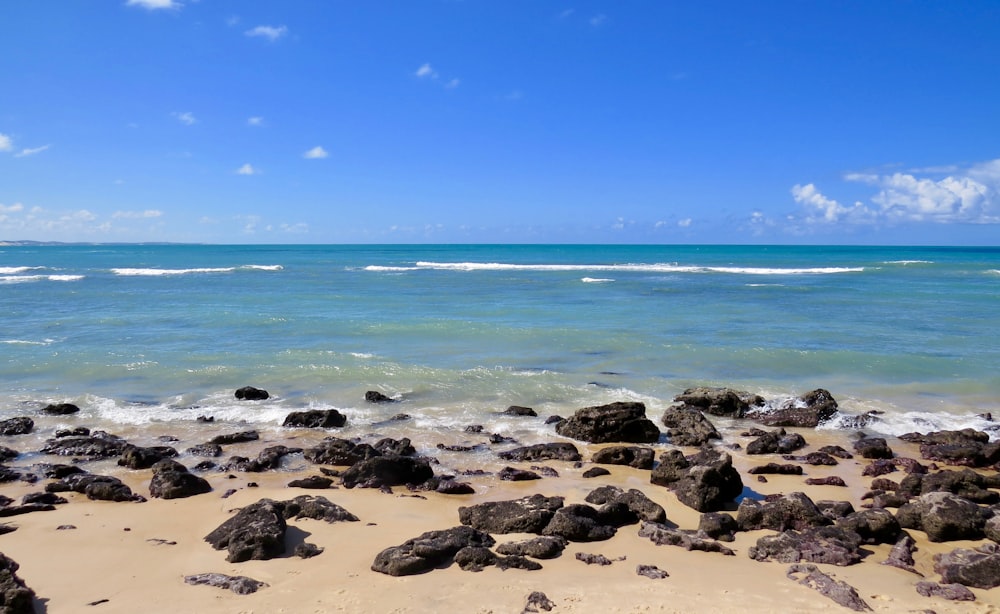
column 634, row 268
column 264, row 267
column 27, row 342
column 141, row 272
column 19, row 279
column 13, row 270
column 596, row 280
column 906, row 262
column 389, row 269
column 65, row 277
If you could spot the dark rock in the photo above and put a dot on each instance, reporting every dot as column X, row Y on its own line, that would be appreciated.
column 95, row 487
column 212, row 450
column 447, row 485
column 979, row 568
column 205, row 466
column 387, row 470
column 526, row 515
column 687, row 426
column 837, row 451
column 373, row 396
column 517, row 410
column 171, row 480
column 544, row 471
column 875, row 526
column 543, row 451
column 17, row 510
column 269, row 459
column 554, row 419
column 60, row 409
column 475, row 558
column 663, row 535
column 616, row 422
column 873, row 447
column 306, row 550
column 315, row 419
column 15, row 596
column 829, row 545
column 135, row 457
column 315, row 482
column 428, row 551
column 57, row 471
column 951, row 592
column 967, row 447
column 97, row 445
column 901, row 555
column 635, row 501
column 16, row 426
column 879, row 466
column 579, row 523
column 632, row 456
column 231, row 438
column 205, row 419
column 814, row 458
column 859, row 421
column 340, row 452
column 537, row 600
column 884, row 484
column 809, row 410
column 778, row 442
column 256, row 532
column 399, row 447
column 315, row 508
column 777, row 469
column 706, row 481
column 792, row 511
column 44, row 498
column 944, row 517
column 544, row 547
column 651, row 571
column 593, row 559
column 7, row 454
column 596, row 472
column 966, row 483
column 241, row 585
column 720, row 401
column 831, row 480
column 840, row 592
column 249, row 393
column 80, row 431
column 511, row 474
column 718, row 525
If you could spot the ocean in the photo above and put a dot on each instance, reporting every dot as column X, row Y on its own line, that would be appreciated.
column 140, row 335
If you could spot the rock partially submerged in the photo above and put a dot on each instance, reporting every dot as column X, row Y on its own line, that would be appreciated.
column 96, row 445
column 249, row 393
column 621, row 422
column 21, row 425
column 639, row 457
column 720, row 401
column 315, row 419
column 543, row 451
column 809, row 410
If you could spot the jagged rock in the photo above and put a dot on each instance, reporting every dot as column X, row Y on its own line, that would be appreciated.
column 944, row 517
column 44, row 498
column 17, row 510
column 316, row 508
column 21, row 425
column 687, row 426
column 249, row 393
column 830, row 545
column 171, row 480
column 15, row 596
column 80, row 431
column 616, row 422
column 315, row 482
column 720, row 401
column 875, row 526
column 706, row 481
column 544, row 547
column 135, row 457
column 97, row 445
column 595, row 472
column 966, row 483
column 792, row 511
column 212, row 450
column 901, row 555
column 95, row 487
column 593, row 559
column 579, row 523
column 662, row 535
column 776, row 469
column 429, row 550
column 7, row 454
column 526, row 515
column 840, row 592
column 718, row 525
column 967, row 447
column 979, row 568
column 635, row 501
column 511, row 474
column 809, row 410
column 268, row 459
column 57, row 471
column 374, row 396
column 835, row 509
column 340, row 452
column 831, row 480
column 651, row 571
column 315, row 419
column 447, row 485
column 60, row 409
column 633, row 456
column 951, row 592
column 387, row 470
column 873, row 447
column 306, row 550
column 517, row 410
column 814, row 458
column 543, row 451
column 241, row 585
column 537, row 600
column 256, row 532
column 231, row 438
column 837, row 451
column 778, row 442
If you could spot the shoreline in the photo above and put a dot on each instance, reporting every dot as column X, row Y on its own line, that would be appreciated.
column 109, row 555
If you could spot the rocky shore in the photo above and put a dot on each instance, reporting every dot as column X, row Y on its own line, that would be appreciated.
column 723, row 502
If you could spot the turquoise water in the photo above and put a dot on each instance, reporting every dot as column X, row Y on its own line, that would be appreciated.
column 142, row 333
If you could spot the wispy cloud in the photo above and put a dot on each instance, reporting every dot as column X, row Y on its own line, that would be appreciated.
column 6, row 143
column 187, row 118
column 426, row 72
column 961, row 195
column 137, row 215
column 271, row 33
column 316, row 153
column 154, row 5
column 247, row 169
column 255, row 121
column 30, row 151
column 452, row 84
column 598, row 20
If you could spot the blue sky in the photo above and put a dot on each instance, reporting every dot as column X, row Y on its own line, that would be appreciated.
column 324, row 121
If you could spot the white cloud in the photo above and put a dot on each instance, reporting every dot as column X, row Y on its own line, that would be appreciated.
column 153, row 5
column 298, row 228
column 316, row 153
column 271, row 33
column 6, row 143
column 15, row 208
column 452, row 84
column 685, row 223
column 136, row 215
column 255, row 121
column 822, row 209
column 597, row 20
column 247, row 169
column 30, row 151
column 425, row 72
column 187, row 118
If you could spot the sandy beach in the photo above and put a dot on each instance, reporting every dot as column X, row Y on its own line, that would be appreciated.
column 124, row 556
